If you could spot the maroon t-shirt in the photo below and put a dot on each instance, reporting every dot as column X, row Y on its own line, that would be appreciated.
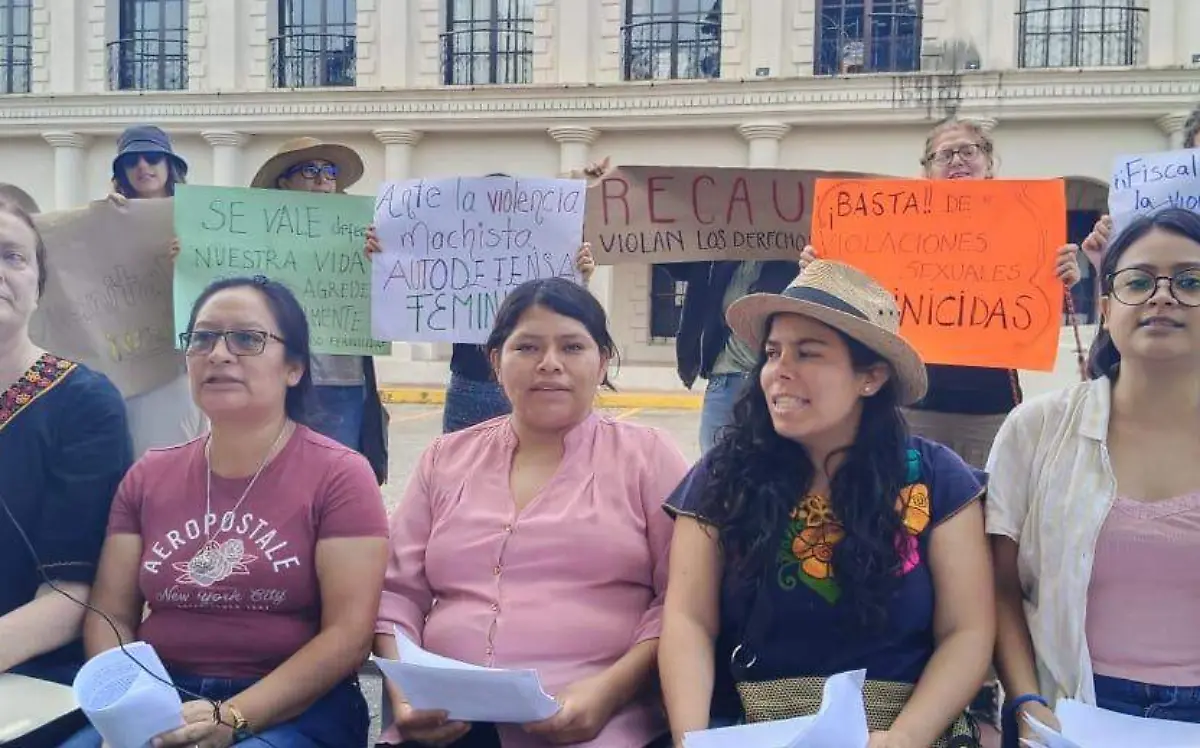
column 238, row 602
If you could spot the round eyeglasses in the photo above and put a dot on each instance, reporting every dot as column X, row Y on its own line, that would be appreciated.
column 967, row 152
column 239, row 342
column 1135, row 286
column 312, row 171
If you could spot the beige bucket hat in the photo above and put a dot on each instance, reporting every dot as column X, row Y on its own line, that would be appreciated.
column 847, row 300
column 300, row 150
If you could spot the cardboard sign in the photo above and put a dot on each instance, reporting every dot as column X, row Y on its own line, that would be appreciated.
column 971, row 262
column 310, row 242
column 108, row 292
column 661, row 214
column 453, row 249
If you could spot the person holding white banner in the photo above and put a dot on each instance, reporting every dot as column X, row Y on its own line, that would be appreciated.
column 1094, row 502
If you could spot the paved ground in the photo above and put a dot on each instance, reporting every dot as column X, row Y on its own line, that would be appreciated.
column 415, row 426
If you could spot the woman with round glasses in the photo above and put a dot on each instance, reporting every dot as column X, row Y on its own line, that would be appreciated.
column 965, row 405
column 1094, row 502
column 259, row 551
column 347, row 406
column 146, row 167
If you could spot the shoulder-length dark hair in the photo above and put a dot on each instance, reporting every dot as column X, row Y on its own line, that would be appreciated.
column 560, row 296
column 1104, row 360
column 122, row 185
column 757, row 478
column 293, row 328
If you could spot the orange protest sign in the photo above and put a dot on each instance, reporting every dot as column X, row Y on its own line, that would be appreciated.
column 971, row 262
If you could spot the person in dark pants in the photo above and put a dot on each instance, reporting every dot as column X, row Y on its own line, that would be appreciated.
column 704, row 347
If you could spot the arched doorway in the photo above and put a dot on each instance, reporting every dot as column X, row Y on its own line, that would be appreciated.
column 1087, row 200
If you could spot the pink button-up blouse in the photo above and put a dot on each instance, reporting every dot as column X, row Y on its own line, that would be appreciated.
column 566, row 587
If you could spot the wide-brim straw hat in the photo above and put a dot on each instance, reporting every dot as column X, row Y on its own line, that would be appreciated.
column 302, row 150
column 847, row 300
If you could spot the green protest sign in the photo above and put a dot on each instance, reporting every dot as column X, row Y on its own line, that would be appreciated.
column 310, row 242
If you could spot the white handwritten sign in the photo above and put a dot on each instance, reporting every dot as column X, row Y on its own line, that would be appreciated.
column 452, row 249
column 1144, row 184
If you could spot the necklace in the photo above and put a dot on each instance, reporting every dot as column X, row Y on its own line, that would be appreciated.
column 214, row 562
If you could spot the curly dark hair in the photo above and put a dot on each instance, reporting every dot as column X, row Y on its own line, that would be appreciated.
column 756, row 478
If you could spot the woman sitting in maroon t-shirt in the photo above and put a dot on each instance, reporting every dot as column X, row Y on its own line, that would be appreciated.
column 259, row 548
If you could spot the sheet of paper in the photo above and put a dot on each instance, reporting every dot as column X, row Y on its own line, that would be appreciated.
column 124, row 703
column 1092, row 727
column 468, row 693
column 774, row 734
column 1047, row 737
column 28, row 703
column 841, row 722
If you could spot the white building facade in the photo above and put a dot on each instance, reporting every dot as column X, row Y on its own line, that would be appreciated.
column 539, row 87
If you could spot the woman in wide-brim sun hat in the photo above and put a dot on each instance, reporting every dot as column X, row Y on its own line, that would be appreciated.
column 819, row 536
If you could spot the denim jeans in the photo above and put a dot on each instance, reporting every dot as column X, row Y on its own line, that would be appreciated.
column 470, row 401
column 717, row 412
column 339, row 718
column 1176, row 703
column 339, row 413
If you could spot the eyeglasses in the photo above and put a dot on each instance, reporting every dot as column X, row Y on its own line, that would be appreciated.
column 967, row 152
column 130, row 160
column 239, row 342
column 1134, row 286
column 312, row 171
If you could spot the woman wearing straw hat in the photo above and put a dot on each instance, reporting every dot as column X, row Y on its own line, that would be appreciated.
column 146, row 167
column 821, row 537
column 348, row 408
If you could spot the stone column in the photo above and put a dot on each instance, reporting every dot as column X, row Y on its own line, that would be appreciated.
column 70, row 170
column 762, row 142
column 574, row 152
column 1172, row 125
column 227, row 157
column 398, row 144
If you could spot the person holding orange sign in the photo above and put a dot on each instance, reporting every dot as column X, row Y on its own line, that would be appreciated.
column 965, row 405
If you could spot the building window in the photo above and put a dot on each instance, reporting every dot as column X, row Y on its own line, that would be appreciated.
column 316, row 44
column 868, row 36
column 16, row 36
column 670, row 39
column 150, row 53
column 1069, row 33
column 488, row 41
column 666, row 303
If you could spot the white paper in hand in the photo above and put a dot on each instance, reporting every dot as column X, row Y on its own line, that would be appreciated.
column 840, row 723
column 466, row 692
column 124, row 703
column 1093, row 727
column 1047, row 737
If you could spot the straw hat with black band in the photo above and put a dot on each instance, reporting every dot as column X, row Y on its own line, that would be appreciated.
column 303, row 150
column 850, row 302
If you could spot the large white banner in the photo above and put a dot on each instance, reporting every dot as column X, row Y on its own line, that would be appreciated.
column 453, row 249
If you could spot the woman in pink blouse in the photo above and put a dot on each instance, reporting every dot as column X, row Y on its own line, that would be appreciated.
column 537, row 540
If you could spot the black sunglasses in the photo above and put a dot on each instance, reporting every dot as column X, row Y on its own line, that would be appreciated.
column 130, row 160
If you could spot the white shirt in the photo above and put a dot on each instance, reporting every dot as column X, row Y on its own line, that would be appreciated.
column 1050, row 488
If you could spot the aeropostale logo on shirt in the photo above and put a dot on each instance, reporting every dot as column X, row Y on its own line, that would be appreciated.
column 204, row 556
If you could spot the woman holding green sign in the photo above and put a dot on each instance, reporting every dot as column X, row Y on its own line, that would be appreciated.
column 348, row 408
column 146, row 167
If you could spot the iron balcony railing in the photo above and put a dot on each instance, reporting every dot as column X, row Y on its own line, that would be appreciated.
column 148, row 63
column 487, row 52
column 15, row 68
column 669, row 50
column 1081, row 35
column 313, row 60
